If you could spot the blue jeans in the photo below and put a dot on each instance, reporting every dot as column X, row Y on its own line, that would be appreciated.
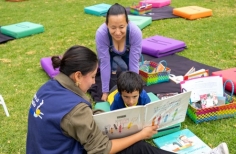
column 118, row 61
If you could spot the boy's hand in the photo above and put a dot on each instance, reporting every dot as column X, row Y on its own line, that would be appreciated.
column 104, row 97
column 149, row 131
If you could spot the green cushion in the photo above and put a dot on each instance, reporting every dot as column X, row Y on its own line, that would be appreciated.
column 105, row 106
column 98, row 9
column 152, row 97
column 22, row 29
column 140, row 21
column 167, row 130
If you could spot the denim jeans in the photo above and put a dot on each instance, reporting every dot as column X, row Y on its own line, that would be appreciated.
column 118, row 61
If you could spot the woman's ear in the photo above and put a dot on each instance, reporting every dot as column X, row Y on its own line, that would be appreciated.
column 78, row 77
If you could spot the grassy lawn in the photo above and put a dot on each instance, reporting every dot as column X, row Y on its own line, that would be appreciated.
column 211, row 41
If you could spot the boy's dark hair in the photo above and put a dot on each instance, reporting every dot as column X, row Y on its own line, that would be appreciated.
column 76, row 58
column 117, row 9
column 129, row 81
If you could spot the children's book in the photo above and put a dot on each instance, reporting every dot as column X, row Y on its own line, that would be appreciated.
column 182, row 142
column 203, row 85
column 127, row 121
column 208, row 100
column 192, row 73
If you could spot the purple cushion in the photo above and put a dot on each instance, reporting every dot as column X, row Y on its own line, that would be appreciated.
column 160, row 46
column 46, row 64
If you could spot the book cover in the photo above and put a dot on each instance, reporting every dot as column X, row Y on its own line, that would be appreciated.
column 208, row 100
column 127, row 121
column 182, row 142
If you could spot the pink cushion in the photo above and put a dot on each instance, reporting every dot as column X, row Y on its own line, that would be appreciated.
column 228, row 74
column 156, row 3
column 46, row 64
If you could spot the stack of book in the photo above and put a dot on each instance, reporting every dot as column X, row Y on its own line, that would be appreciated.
column 141, row 9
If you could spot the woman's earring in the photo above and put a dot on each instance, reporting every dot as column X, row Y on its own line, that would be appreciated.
column 77, row 84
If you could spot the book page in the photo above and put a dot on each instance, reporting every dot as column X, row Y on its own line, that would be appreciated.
column 167, row 112
column 122, row 122
column 203, row 85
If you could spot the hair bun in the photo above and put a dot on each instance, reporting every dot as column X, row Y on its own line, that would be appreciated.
column 56, row 61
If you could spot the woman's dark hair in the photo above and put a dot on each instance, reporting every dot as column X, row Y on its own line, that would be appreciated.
column 76, row 58
column 129, row 81
column 116, row 9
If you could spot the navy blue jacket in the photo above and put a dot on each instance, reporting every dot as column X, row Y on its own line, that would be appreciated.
column 45, row 118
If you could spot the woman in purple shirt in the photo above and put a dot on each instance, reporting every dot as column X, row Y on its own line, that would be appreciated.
column 117, row 37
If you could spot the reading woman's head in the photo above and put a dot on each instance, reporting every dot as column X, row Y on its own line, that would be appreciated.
column 117, row 21
column 130, row 85
column 80, row 64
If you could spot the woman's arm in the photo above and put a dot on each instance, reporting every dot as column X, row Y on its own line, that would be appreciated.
column 79, row 124
column 135, row 47
column 102, row 46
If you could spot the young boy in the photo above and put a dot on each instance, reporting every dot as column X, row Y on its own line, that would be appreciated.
column 130, row 92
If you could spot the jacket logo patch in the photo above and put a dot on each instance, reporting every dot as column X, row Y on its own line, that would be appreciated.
column 37, row 112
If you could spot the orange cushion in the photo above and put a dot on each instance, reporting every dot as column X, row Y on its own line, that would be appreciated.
column 192, row 12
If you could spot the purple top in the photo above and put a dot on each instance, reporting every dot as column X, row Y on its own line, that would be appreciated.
column 102, row 45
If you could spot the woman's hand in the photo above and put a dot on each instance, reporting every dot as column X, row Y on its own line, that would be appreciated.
column 104, row 97
column 149, row 131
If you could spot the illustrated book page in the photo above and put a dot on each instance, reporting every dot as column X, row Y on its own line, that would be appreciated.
column 167, row 112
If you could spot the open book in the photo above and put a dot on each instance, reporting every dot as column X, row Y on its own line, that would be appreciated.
column 191, row 74
column 182, row 142
column 203, row 85
column 127, row 121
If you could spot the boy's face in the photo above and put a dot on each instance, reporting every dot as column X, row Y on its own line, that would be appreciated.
column 130, row 99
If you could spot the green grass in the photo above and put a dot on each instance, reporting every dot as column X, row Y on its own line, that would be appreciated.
column 210, row 41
